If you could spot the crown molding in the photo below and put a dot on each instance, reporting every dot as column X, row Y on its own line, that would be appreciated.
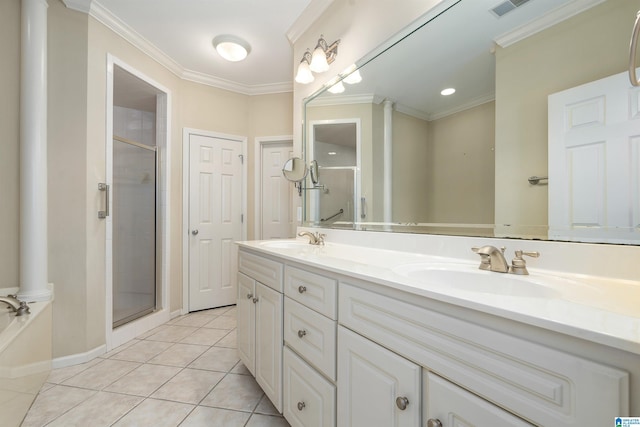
column 550, row 19
column 347, row 100
column 79, row 5
column 472, row 103
column 308, row 16
column 111, row 21
column 209, row 80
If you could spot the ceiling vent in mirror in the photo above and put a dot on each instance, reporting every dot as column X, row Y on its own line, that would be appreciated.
column 507, row 6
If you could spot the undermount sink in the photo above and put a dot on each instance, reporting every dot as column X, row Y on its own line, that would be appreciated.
column 471, row 279
column 284, row 244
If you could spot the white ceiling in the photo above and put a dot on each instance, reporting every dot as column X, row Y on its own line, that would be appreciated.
column 180, row 33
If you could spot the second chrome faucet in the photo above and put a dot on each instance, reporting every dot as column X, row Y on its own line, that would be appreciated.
column 492, row 259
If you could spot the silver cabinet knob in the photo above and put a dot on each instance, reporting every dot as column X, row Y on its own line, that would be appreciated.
column 301, row 406
column 301, row 333
column 249, row 296
column 255, row 300
column 402, row 403
column 302, row 289
column 434, row 422
column 194, row 232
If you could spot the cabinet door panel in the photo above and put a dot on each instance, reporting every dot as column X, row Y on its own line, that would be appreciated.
column 370, row 379
column 455, row 406
column 309, row 399
column 246, row 322
column 269, row 343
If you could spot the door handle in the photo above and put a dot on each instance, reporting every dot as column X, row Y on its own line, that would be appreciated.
column 104, row 187
column 195, row 232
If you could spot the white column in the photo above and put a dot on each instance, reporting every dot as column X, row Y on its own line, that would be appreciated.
column 388, row 161
column 33, row 153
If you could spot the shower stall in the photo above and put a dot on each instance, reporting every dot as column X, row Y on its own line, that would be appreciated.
column 134, row 195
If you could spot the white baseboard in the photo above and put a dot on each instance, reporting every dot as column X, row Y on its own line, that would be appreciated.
column 78, row 358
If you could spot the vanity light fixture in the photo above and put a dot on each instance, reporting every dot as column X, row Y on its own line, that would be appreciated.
column 448, row 91
column 353, row 78
column 231, row 48
column 318, row 62
column 337, row 88
column 304, row 74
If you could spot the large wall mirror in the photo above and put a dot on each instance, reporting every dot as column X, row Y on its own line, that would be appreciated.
column 527, row 146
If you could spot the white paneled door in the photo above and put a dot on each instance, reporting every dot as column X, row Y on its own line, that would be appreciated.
column 215, row 220
column 277, row 209
column 594, row 162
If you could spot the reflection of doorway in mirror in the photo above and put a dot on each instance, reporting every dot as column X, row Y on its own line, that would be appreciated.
column 335, row 145
column 594, row 162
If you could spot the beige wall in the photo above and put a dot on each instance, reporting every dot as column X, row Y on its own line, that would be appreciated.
column 78, row 47
column 465, row 193
column 9, row 141
column 584, row 48
column 411, row 168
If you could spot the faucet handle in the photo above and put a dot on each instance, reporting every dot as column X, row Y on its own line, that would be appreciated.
column 518, row 264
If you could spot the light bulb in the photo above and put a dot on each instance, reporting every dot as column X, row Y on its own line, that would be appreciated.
column 337, row 88
column 353, row 78
column 319, row 62
column 304, row 74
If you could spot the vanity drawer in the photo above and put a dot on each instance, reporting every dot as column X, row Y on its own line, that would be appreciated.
column 539, row 383
column 264, row 270
column 313, row 290
column 309, row 399
column 311, row 335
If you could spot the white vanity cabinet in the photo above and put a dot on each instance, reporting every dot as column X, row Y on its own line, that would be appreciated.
column 447, row 405
column 376, row 387
column 332, row 349
column 537, row 383
column 310, row 348
column 259, row 330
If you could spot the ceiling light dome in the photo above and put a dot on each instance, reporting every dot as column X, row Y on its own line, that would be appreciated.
column 231, row 48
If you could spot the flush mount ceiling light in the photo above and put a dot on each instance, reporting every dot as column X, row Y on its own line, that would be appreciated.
column 448, row 91
column 231, row 48
column 318, row 62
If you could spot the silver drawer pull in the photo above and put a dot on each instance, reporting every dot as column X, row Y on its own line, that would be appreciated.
column 249, row 296
column 434, row 422
column 302, row 289
column 301, row 333
column 255, row 300
column 301, row 406
column 402, row 403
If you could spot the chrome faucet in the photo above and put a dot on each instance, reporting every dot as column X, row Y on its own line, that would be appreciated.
column 492, row 259
column 19, row 307
column 314, row 238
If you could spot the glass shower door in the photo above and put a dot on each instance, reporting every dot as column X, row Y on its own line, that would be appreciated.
column 134, row 230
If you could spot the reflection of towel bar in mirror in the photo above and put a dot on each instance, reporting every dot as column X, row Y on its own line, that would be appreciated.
column 535, row 180
column 341, row 211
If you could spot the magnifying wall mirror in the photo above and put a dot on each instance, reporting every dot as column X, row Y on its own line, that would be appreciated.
column 295, row 169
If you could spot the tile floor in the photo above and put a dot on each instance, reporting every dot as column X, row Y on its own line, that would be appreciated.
column 183, row 373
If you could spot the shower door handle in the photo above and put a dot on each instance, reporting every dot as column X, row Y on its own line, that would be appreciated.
column 104, row 187
column 195, row 232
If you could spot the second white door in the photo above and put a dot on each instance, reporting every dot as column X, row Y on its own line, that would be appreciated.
column 277, row 209
column 215, row 220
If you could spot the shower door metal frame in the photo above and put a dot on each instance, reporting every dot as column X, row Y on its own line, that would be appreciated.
column 124, row 321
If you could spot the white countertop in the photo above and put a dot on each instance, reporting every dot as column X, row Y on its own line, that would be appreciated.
column 597, row 309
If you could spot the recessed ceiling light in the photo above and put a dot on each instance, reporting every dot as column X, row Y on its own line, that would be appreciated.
column 231, row 48
column 448, row 91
